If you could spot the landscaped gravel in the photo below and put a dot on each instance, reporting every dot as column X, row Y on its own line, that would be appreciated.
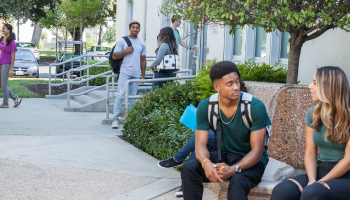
column 28, row 180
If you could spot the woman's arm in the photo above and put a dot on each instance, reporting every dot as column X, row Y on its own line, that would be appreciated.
column 13, row 55
column 341, row 168
column 160, row 55
column 310, row 157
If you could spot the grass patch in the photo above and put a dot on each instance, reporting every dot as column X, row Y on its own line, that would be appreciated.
column 47, row 54
column 21, row 91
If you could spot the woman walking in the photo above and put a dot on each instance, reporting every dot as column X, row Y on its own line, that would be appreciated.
column 166, row 46
column 327, row 127
column 8, row 50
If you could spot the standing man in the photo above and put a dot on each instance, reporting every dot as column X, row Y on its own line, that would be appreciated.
column 134, row 63
column 176, row 21
column 244, row 156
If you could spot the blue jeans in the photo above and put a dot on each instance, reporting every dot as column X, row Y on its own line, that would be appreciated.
column 122, row 79
column 190, row 146
column 162, row 75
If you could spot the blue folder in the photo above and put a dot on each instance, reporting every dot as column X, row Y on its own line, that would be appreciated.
column 188, row 118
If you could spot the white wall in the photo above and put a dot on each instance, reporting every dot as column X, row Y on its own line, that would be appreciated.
column 330, row 49
column 216, row 44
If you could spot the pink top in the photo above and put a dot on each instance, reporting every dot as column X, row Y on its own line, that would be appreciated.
column 5, row 56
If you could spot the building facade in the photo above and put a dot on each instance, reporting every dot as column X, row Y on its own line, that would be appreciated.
column 215, row 41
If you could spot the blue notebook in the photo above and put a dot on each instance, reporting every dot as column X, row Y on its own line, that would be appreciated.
column 189, row 117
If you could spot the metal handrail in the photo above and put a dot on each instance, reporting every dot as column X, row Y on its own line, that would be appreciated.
column 81, row 80
column 139, row 81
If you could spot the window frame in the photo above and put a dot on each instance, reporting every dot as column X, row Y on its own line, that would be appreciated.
column 237, row 57
column 259, row 59
column 283, row 61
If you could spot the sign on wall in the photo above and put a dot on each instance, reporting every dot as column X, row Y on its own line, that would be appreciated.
column 213, row 28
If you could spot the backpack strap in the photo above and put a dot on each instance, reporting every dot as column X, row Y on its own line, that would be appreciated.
column 247, row 117
column 214, row 120
column 127, row 40
column 246, row 109
column 213, row 108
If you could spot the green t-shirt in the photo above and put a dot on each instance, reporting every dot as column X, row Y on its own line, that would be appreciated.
column 329, row 151
column 235, row 136
column 177, row 37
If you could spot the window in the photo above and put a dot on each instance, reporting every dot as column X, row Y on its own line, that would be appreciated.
column 285, row 46
column 260, row 42
column 237, row 42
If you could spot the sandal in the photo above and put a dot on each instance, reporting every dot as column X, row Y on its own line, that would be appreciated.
column 3, row 106
column 17, row 103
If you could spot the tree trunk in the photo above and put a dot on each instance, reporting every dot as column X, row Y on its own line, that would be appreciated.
column 100, row 36
column 77, row 38
column 37, row 34
column 296, row 42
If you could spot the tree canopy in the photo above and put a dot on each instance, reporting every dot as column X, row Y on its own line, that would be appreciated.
column 25, row 10
column 303, row 19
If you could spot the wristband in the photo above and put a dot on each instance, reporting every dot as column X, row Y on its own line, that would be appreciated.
column 190, row 47
column 204, row 162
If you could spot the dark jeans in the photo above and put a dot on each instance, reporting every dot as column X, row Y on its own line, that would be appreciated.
column 190, row 147
column 193, row 176
column 162, row 75
column 339, row 188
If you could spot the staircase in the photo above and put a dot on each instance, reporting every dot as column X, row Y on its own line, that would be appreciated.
column 94, row 101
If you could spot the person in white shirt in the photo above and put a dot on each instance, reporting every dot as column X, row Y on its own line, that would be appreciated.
column 132, row 67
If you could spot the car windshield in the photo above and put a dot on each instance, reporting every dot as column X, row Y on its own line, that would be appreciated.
column 24, row 55
column 26, row 45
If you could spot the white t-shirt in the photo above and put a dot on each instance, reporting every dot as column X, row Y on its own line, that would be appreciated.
column 131, row 64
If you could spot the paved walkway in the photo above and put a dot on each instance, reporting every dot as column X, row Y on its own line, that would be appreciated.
column 46, row 153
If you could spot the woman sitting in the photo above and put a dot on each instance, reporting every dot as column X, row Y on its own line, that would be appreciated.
column 327, row 127
column 166, row 46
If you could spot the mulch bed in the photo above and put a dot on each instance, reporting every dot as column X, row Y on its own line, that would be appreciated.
column 42, row 89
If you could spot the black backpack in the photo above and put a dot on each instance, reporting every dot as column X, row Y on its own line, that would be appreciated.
column 116, row 64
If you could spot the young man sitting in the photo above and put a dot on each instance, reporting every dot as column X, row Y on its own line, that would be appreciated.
column 243, row 157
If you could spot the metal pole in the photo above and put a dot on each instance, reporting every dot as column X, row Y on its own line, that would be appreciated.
column 56, row 41
column 68, row 89
column 50, row 79
column 107, row 99
column 18, row 29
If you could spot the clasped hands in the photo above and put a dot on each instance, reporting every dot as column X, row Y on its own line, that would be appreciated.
column 218, row 172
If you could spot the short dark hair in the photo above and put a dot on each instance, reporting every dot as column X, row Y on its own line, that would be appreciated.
column 134, row 22
column 174, row 18
column 223, row 68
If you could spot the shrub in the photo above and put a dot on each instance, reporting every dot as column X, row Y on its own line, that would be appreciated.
column 95, row 71
column 153, row 123
column 251, row 71
column 41, row 45
column 202, row 82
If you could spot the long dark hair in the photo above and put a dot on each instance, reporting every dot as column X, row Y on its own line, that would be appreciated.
column 166, row 35
column 12, row 35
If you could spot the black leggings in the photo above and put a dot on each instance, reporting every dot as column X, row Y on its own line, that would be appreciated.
column 339, row 188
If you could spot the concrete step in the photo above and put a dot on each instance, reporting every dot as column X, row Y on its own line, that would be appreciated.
column 84, row 99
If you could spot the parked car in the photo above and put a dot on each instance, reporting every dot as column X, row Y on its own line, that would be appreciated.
column 31, row 46
column 26, row 64
column 98, row 50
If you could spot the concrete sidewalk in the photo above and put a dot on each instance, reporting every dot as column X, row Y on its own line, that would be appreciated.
column 46, row 153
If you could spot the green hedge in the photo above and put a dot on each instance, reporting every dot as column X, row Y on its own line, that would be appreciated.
column 95, row 71
column 153, row 126
column 251, row 71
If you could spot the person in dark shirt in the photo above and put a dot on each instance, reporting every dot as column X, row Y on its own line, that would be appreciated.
column 244, row 156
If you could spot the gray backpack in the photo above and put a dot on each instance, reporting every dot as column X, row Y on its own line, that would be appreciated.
column 215, row 122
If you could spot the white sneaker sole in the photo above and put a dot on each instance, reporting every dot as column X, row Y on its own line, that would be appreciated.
column 179, row 194
column 114, row 127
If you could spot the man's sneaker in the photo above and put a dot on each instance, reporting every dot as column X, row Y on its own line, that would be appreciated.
column 179, row 193
column 170, row 162
column 115, row 123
